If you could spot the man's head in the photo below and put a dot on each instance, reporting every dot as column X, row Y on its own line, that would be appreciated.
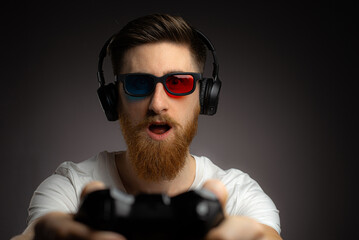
column 159, row 127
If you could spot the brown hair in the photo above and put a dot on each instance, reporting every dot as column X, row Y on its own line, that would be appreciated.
column 156, row 28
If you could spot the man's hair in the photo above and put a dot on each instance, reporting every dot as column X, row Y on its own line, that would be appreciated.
column 152, row 29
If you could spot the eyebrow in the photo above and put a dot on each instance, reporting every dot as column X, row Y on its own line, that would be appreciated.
column 165, row 73
column 176, row 71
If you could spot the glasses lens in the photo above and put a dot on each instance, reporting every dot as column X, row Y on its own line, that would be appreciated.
column 180, row 83
column 139, row 84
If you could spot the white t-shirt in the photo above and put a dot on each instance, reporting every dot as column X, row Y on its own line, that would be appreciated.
column 61, row 191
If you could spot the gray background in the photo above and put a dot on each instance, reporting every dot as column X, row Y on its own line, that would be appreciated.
column 286, row 109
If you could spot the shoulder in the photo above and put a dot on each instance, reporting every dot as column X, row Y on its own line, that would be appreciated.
column 83, row 168
column 235, row 180
column 206, row 169
column 82, row 172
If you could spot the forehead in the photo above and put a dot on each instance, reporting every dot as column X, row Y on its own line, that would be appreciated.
column 159, row 58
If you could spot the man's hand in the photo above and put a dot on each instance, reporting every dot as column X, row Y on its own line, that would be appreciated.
column 237, row 227
column 58, row 226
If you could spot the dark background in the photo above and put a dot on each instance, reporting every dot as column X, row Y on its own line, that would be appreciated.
column 286, row 114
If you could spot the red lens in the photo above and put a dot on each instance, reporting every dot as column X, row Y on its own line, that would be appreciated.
column 179, row 83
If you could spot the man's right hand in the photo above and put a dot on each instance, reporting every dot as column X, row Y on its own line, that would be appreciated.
column 58, row 226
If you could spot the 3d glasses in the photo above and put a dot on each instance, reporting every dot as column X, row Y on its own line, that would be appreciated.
column 177, row 84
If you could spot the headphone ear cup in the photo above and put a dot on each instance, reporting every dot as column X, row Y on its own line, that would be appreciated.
column 213, row 97
column 108, row 97
column 205, row 87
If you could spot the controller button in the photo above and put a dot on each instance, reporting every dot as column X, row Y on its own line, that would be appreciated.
column 202, row 209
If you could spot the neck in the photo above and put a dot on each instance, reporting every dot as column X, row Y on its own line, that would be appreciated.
column 134, row 184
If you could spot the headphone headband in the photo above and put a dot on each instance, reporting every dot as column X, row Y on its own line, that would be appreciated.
column 210, row 46
column 101, row 57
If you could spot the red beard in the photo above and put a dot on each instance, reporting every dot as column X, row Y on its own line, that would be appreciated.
column 158, row 160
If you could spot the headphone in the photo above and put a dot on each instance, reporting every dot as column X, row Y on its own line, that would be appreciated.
column 209, row 87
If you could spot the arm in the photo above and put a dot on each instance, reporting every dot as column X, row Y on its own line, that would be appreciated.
column 58, row 225
column 28, row 234
column 237, row 227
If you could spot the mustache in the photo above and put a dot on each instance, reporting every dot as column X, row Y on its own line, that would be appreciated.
column 150, row 119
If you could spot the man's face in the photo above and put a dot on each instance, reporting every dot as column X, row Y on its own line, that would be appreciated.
column 158, row 128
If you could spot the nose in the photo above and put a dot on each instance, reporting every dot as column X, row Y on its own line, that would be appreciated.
column 159, row 100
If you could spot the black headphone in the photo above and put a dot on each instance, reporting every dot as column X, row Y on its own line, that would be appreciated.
column 209, row 87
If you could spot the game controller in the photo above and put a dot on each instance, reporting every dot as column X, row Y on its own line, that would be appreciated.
column 189, row 215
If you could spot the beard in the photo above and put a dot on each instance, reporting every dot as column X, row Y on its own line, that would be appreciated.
column 158, row 160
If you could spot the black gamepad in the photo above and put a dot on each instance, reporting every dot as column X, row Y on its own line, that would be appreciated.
column 189, row 215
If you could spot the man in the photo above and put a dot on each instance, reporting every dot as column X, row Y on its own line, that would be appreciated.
column 158, row 120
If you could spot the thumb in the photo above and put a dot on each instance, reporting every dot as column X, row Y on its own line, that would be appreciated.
column 218, row 188
column 91, row 187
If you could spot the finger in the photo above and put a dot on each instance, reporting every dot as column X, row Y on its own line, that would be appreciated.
column 91, row 187
column 218, row 188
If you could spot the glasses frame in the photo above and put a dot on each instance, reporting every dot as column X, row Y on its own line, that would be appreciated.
column 122, row 78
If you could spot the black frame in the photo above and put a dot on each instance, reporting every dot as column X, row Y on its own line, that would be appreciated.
column 122, row 77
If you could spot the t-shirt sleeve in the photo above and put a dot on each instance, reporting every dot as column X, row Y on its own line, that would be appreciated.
column 248, row 199
column 245, row 196
column 61, row 191
column 54, row 194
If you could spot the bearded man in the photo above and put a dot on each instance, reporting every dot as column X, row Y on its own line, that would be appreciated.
column 158, row 61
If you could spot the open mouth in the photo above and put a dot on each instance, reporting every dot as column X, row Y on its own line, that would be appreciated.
column 159, row 128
